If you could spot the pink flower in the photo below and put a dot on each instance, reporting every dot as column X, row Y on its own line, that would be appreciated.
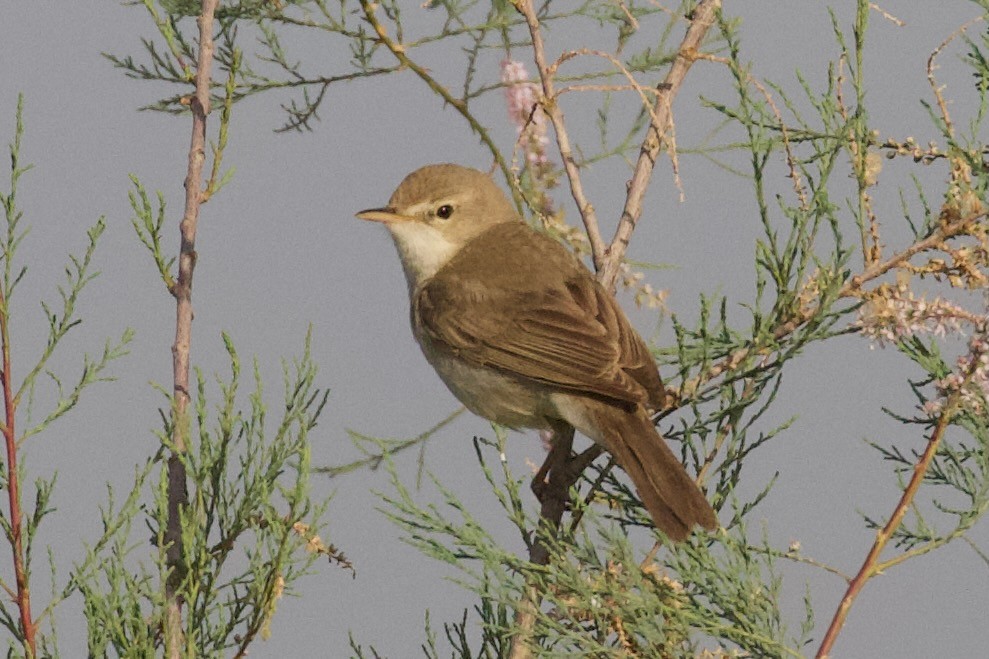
column 546, row 437
column 899, row 315
column 973, row 395
column 522, row 97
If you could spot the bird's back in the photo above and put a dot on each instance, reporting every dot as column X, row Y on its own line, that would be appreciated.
column 549, row 295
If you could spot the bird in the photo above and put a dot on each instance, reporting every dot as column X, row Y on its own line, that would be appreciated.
column 523, row 335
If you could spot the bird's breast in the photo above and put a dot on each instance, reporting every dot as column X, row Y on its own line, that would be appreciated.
column 489, row 393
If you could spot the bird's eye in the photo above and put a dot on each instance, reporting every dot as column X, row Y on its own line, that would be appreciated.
column 444, row 212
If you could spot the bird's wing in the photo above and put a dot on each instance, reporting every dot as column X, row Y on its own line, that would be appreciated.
column 569, row 334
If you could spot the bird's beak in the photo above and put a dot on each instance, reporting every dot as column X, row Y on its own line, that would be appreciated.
column 385, row 215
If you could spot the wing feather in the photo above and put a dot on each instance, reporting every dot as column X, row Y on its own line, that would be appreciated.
column 559, row 327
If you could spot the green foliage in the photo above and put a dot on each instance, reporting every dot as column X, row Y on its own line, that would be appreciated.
column 821, row 269
column 599, row 597
column 148, row 224
column 819, row 264
column 20, row 522
column 250, row 532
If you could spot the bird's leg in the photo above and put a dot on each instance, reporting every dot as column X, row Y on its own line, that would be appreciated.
column 580, row 462
column 551, row 485
column 559, row 459
column 560, row 446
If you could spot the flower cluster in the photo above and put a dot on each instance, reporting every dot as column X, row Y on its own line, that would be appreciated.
column 895, row 315
column 971, row 379
column 909, row 147
column 645, row 295
column 522, row 97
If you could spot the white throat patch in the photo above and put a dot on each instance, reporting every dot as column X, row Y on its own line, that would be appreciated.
column 423, row 250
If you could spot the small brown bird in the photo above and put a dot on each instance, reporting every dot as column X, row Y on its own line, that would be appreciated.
column 522, row 333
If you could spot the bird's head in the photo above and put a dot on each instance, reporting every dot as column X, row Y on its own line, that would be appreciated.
column 436, row 211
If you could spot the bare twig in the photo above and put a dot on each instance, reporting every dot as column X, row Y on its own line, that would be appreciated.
column 643, row 92
column 942, row 105
column 633, row 85
column 460, row 105
column 182, row 291
column 563, row 469
column 871, row 566
column 555, row 114
column 702, row 19
column 888, row 16
column 20, row 594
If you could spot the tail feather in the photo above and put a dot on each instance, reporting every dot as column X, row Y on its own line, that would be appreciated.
column 671, row 496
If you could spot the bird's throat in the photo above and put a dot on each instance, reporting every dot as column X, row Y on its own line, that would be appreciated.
column 423, row 250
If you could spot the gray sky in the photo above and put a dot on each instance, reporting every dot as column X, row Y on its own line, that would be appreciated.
column 279, row 248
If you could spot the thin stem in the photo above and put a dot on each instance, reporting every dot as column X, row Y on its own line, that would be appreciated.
column 182, row 291
column 23, row 595
column 552, row 109
column 460, row 105
column 702, row 18
column 871, row 565
column 15, row 533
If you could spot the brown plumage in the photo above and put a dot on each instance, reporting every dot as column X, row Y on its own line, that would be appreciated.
column 556, row 325
column 523, row 334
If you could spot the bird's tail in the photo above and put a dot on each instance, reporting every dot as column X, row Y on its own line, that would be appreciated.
column 671, row 496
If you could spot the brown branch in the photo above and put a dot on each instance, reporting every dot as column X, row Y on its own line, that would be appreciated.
column 15, row 535
column 702, row 18
column 942, row 105
column 554, row 496
column 564, row 470
column 460, row 105
column 182, row 291
column 871, row 567
column 555, row 114
column 852, row 288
